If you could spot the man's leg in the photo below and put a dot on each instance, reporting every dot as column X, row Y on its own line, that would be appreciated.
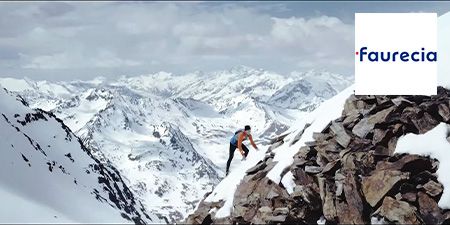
column 245, row 150
column 230, row 157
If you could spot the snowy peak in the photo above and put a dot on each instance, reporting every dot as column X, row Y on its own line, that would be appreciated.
column 309, row 91
column 45, row 167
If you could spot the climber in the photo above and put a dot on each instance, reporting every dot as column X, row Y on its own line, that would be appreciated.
column 236, row 142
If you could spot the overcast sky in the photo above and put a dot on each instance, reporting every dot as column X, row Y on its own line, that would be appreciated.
column 80, row 40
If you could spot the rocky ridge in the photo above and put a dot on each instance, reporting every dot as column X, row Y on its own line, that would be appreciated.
column 349, row 174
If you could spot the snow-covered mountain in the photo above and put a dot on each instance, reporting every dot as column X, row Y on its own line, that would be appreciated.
column 168, row 134
column 48, row 175
column 312, row 87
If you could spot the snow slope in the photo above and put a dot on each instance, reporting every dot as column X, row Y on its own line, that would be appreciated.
column 48, row 175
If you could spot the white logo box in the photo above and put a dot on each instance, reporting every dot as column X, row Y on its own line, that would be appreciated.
column 395, row 32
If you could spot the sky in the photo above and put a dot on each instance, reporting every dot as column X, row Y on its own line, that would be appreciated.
column 82, row 40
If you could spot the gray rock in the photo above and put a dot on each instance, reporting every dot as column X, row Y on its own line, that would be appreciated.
column 433, row 188
column 364, row 126
column 341, row 135
column 376, row 186
column 444, row 112
column 398, row 211
column 429, row 209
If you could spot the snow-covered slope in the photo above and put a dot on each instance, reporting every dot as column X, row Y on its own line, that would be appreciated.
column 48, row 175
column 146, row 125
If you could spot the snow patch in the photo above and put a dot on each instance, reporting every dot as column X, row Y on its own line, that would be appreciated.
column 288, row 182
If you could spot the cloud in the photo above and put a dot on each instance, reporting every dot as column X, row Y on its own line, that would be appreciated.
column 151, row 36
column 55, row 61
column 104, row 59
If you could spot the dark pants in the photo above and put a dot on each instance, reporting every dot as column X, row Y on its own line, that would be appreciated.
column 230, row 157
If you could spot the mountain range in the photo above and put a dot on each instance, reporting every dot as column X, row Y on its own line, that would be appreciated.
column 167, row 134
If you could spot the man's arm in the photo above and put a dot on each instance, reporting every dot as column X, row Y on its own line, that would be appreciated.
column 240, row 139
column 252, row 142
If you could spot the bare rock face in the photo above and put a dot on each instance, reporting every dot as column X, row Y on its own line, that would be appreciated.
column 349, row 174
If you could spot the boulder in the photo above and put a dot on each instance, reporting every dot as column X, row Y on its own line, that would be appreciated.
column 299, row 134
column 308, row 194
column 379, row 135
column 331, row 167
column 299, row 162
column 259, row 166
column 433, row 188
column 422, row 178
column 328, row 150
column 398, row 211
column 320, row 137
column 359, row 161
column 301, row 177
column 327, row 197
column 382, row 151
column 425, row 123
column 410, row 197
column 352, row 118
column 341, row 135
column 444, row 112
column 364, row 126
column 407, row 163
column 376, row 186
column 392, row 144
column 429, row 209
column 410, row 113
column 352, row 211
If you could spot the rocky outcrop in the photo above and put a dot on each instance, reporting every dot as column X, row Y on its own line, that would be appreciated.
column 350, row 174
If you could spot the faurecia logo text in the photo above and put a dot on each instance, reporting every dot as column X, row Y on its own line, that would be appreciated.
column 396, row 53
column 387, row 56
